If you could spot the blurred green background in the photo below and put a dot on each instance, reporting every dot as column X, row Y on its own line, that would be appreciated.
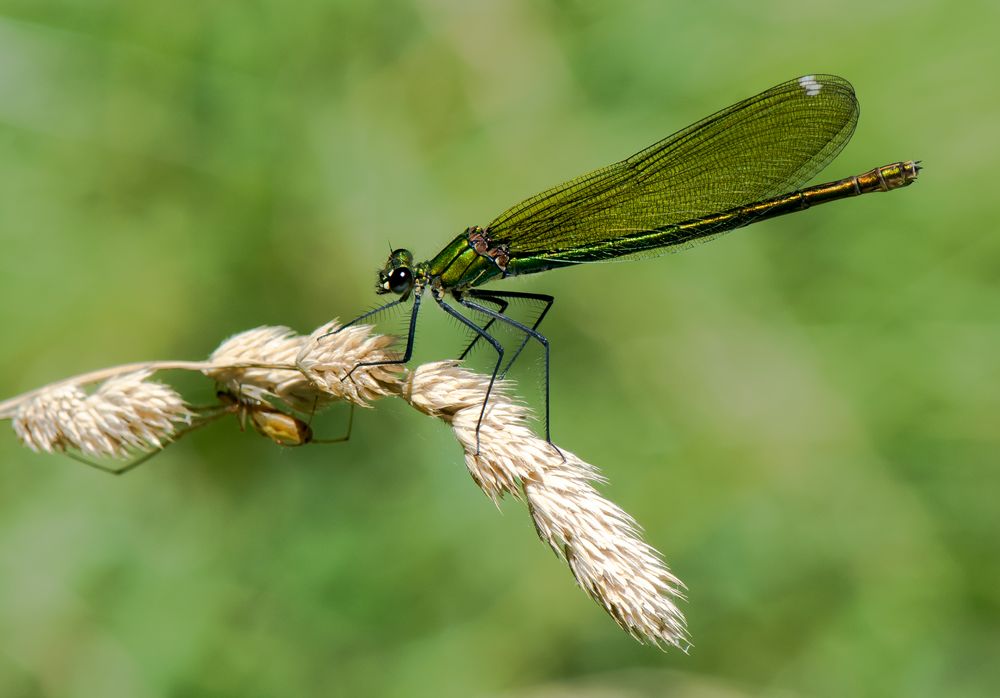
column 803, row 415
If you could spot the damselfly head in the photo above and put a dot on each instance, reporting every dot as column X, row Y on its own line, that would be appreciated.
column 397, row 274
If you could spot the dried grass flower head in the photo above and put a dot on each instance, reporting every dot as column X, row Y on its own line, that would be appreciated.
column 271, row 373
column 602, row 545
column 600, row 542
column 126, row 414
column 351, row 363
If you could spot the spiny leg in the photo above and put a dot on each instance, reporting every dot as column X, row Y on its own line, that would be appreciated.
column 501, row 305
column 528, row 332
column 481, row 332
column 365, row 316
column 408, row 352
column 498, row 295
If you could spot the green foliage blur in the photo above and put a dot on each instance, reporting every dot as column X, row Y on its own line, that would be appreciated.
column 803, row 415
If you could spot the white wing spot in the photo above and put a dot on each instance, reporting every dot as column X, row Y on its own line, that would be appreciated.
column 810, row 85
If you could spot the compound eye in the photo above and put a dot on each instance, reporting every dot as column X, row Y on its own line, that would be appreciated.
column 400, row 280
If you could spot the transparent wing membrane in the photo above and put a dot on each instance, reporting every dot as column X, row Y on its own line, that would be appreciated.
column 764, row 146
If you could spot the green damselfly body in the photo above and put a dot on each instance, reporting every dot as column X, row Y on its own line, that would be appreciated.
column 742, row 165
